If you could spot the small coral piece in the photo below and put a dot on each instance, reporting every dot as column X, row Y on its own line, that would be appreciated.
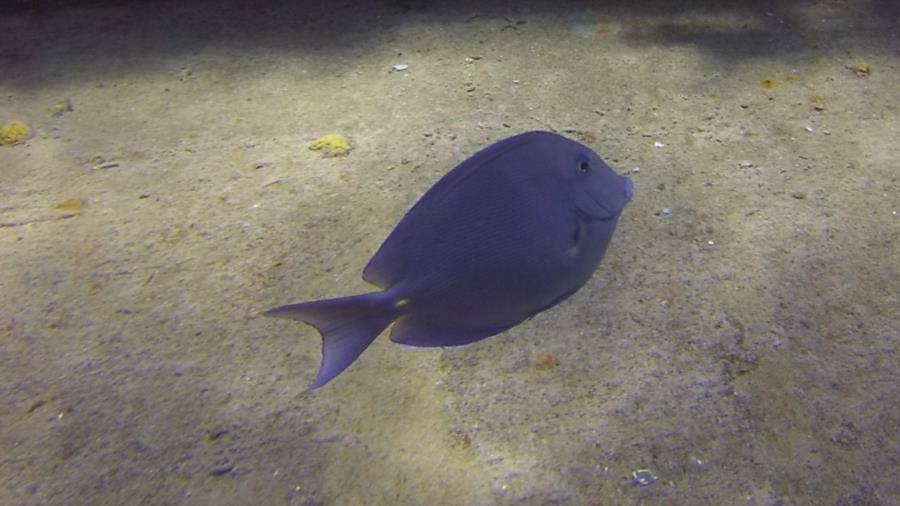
column 818, row 102
column 331, row 145
column 546, row 360
column 14, row 133
column 863, row 69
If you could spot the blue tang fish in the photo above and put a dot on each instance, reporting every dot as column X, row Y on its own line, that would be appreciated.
column 509, row 232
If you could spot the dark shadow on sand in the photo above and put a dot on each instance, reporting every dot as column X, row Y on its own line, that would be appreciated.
column 46, row 43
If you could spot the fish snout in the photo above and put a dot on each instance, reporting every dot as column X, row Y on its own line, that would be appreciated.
column 629, row 189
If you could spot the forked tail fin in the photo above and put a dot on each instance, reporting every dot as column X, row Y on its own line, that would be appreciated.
column 348, row 326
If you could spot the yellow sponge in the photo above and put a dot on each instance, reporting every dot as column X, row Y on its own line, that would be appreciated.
column 331, row 145
column 14, row 133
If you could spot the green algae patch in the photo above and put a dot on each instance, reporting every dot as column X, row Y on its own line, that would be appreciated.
column 62, row 107
column 69, row 205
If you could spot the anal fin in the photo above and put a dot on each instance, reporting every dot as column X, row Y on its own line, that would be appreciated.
column 409, row 332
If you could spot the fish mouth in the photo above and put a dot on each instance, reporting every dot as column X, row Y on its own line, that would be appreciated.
column 604, row 206
column 606, row 213
column 606, row 216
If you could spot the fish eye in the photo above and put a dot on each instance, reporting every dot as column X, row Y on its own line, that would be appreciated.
column 583, row 166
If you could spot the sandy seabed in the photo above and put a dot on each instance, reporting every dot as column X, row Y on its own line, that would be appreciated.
column 738, row 345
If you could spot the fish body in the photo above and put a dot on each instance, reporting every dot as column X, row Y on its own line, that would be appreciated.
column 511, row 231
